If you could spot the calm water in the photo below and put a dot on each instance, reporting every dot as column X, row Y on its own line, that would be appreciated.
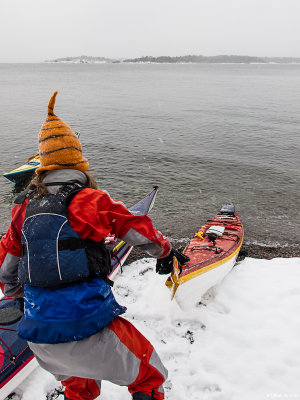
column 206, row 134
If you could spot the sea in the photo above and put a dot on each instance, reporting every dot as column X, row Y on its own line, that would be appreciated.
column 206, row 134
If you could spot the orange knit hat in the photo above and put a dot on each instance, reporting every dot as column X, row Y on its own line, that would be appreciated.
column 59, row 146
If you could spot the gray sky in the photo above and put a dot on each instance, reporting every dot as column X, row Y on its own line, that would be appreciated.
column 38, row 30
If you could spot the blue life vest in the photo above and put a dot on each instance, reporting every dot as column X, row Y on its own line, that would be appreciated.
column 66, row 298
column 53, row 254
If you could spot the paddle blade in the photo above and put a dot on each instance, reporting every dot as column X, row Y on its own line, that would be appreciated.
column 174, row 277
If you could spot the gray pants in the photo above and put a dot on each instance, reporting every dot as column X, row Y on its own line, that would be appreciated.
column 119, row 353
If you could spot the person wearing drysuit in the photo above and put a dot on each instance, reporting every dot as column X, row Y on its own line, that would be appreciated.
column 54, row 256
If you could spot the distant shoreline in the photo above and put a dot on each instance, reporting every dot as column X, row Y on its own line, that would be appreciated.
column 189, row 59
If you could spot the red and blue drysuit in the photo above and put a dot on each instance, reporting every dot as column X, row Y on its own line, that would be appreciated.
column 76, row 332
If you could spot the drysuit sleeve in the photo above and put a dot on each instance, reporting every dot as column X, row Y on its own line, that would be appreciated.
column 94, row 214
column 10, row 252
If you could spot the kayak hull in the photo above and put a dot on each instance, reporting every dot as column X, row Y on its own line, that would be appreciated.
column 16, row 358
column 191, row 293
column 19, row 176
column 16, row 378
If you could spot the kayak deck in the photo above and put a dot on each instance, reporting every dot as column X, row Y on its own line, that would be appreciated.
column 204, row 253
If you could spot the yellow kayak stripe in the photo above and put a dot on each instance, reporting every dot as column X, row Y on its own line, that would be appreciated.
column 23, row 168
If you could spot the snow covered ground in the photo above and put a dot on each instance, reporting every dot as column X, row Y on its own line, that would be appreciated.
column 243, row 344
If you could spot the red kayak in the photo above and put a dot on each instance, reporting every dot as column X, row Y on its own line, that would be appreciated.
column 213, row 252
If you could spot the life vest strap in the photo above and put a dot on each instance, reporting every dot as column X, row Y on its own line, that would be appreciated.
column 78, row 243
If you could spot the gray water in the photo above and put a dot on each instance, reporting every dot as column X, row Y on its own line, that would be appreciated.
column 205, row 134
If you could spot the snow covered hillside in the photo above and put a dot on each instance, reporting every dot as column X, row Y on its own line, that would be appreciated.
column 243, row 343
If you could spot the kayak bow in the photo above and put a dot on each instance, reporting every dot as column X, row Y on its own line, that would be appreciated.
column 25, row 171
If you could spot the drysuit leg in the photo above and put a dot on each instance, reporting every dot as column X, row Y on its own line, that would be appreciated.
column 81, row 388
column 151, row 372
column 118, row 353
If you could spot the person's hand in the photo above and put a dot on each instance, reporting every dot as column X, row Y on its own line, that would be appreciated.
column 164, row 265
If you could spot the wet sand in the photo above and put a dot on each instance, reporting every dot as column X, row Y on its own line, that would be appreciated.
column 247, row 250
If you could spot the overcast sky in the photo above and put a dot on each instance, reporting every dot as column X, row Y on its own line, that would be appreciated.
column 38, row 30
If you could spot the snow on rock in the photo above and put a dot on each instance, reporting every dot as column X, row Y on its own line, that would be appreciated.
column 241, row 342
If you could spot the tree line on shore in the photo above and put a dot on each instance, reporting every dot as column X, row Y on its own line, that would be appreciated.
column 181, row 59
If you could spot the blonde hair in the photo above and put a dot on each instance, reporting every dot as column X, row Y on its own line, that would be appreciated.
column 39, row 189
